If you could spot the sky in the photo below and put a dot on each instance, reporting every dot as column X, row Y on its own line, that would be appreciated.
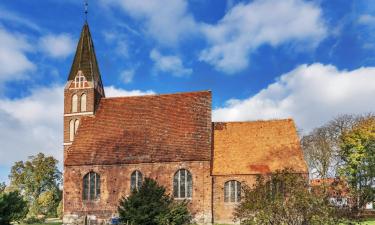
column 310, row 60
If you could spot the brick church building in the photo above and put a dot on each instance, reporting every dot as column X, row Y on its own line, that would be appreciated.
column 112, row 144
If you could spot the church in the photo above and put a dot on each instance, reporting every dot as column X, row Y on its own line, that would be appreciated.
column 112, row 143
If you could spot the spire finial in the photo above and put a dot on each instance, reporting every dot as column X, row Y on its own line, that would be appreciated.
column 86, row 9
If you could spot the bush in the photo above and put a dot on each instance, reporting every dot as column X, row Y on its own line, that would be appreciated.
column 284, row 198
column 150, row 205
column 12, row 207
column 33, row 219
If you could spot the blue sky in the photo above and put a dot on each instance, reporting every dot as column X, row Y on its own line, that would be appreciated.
column 262, row 59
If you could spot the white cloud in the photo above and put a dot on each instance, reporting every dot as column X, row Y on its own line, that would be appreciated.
column 57, row 46
column 169, row 64
column 120, row 42
column 7, row 15
column 112, row 91
column 245, row 27
column 34, row 123
column 311, row 94
column 366, row 19
column 127, row 76
column 167, row 21
column 14, row 63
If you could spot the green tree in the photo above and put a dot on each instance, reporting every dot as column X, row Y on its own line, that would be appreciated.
column 13, row 207
column 38, row 179
column 282, row 199
column 358, row 156
column 150, row 205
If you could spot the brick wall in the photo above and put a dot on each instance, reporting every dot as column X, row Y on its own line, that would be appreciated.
column 223, row 211
column 115, row 183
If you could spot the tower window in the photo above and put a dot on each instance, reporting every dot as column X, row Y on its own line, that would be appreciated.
column 91, row 186
column 73, row 127
column 71, row 130
column 74, row 103
column 232, row 191
column 76, row 125
column 182, row 184
column 80, row 80
column 83, row 102
column 136, row 180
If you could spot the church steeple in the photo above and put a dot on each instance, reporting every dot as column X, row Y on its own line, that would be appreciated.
column 85, row 59
column 84, row 88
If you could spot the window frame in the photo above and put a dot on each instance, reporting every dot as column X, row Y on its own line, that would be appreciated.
column 74, row 103
column 138, row 174
column 188, row 191
column 87, row 197
column 232, row 196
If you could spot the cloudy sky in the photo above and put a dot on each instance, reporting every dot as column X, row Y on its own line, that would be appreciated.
column 262, row 59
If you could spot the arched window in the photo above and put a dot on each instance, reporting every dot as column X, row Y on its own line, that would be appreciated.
column 80, row 80
column 83, row 102
column 182, row 184
column 76, row 125
column 74, row 103
column 136, row 180
column 232, row 191
column 71, row 130
column 91, row 186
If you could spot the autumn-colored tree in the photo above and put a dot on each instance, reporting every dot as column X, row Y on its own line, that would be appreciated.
column 358, row 156
column 284, row 198
column 38, row 179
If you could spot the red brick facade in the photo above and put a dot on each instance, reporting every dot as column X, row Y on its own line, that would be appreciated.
column 158, row 135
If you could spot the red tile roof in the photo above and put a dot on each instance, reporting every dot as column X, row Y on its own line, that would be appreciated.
column 256, row 147
column 156, row 128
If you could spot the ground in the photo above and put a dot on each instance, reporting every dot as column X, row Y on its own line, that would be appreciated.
column 369, row 222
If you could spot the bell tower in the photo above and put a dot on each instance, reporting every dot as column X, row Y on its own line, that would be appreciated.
column 84, row 87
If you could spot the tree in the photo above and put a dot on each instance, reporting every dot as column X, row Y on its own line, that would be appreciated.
column 13, row 207
column 322, row 146
column 358, row 156
column 38, row 179
column 150, row 205
column 284, row 198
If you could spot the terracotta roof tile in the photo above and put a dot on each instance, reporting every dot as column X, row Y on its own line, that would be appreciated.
column 256, row 147
column 156, row 128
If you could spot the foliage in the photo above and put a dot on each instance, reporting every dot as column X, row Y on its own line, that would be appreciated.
column 13, row 207
column 34, row 220
column 321, row 147
column 59, row 210
column 284, row 198
column 2, row 187
column 150, row 205
column 38, row 179
column 177, row 214
column 358, row 156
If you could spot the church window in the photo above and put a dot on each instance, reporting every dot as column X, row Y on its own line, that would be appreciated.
column 91, row 186
column 182, row 184
column 136, row 180
column 83, row 102
column 80, row 80
column 232, row 191
column 71, row 130
column 76, row 125
column 74, row 103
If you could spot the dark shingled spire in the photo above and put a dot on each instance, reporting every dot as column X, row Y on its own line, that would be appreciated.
column 85, row 59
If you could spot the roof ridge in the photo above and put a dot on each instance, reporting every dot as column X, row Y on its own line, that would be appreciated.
column 257, row 121
column 155, row 95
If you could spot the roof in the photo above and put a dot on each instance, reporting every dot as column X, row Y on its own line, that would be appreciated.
column 85, row 58
column 144, row 129
column 257, row 147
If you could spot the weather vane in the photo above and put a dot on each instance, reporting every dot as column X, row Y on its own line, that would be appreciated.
column 86, row 8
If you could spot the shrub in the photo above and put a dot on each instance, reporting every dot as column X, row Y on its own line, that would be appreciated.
column 150, row 205
column 13, row 207
column 284, row 198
